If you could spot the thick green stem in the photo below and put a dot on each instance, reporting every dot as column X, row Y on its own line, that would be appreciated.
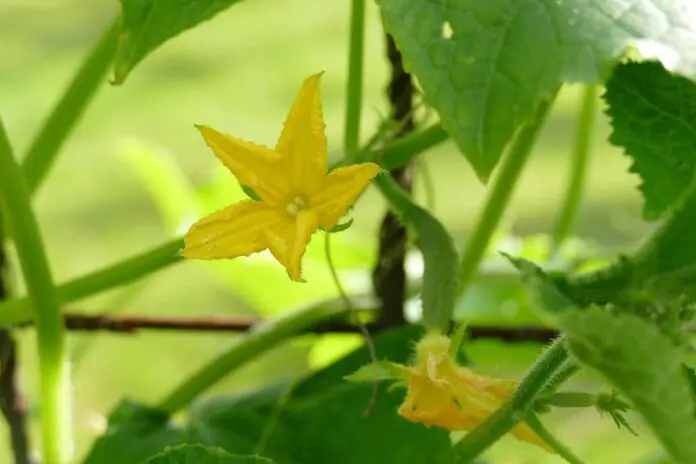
column 499, row 195
column 516, row 409
column 17, row 310
column 578, row 167
column 246, row 348
column 355, row 77
column 56, row 426
column 560, row 449
column 67, row 112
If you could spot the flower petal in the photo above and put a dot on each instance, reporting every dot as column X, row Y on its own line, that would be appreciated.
column 289, row 241
column 524, row 432
column 445, row 394
column 430, row 404
column 340, row 190
column 303, row 140
column 237, row 230
column 253, row 165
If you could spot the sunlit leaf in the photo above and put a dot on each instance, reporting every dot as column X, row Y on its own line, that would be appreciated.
column 485, row 66
column 653, row 115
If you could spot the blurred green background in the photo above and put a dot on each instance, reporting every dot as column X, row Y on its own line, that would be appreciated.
column 239, row 73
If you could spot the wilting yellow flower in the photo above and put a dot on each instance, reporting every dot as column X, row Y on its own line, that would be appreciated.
column 298, row 194
column 447, row 395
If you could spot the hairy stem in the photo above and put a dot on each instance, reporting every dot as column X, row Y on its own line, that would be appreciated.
column 520, row 403
column 64, row 117
column 354, row 91
column 247, row 347
column 56, row 425
column 499, row 195
column 578, row 167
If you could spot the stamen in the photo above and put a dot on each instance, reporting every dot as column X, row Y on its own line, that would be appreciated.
column 292, row 209
column 296, row 205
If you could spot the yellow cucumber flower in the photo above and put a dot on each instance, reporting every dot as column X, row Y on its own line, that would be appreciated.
column 297, row 193
column 444, row 394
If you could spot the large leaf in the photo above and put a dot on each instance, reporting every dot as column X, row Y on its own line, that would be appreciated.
column 330, row 427
column 633, row 355
column 318, row 420
column 653, row 114
column 645, row 365
column 147, row 24
column 485, row 66
column 322, row 418
column 440, row 260
column 325, row 427
column 199, row 454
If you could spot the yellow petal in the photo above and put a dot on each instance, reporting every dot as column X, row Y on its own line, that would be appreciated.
column 340, row 190
column 430, row 404
column 253, row 165
column 447, row 395
column 524, row 432
column 289, row 241
column 237, row 230
column 303, row 141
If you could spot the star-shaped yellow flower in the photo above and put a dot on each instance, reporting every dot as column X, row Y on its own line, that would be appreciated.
column 450, row 396
column 298, row 194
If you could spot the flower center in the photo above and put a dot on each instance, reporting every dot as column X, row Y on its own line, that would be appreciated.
column 297, row 204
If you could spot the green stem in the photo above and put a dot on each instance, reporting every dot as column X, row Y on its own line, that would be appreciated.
column 499, row 195
column 67, row 112
column 355, row 77
column 402, row 150
column 247, row 347
column 18, row 310
column 54, row 374
column 520, row 403
column 566, row 371
column 560, row 449
column 578, row 167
